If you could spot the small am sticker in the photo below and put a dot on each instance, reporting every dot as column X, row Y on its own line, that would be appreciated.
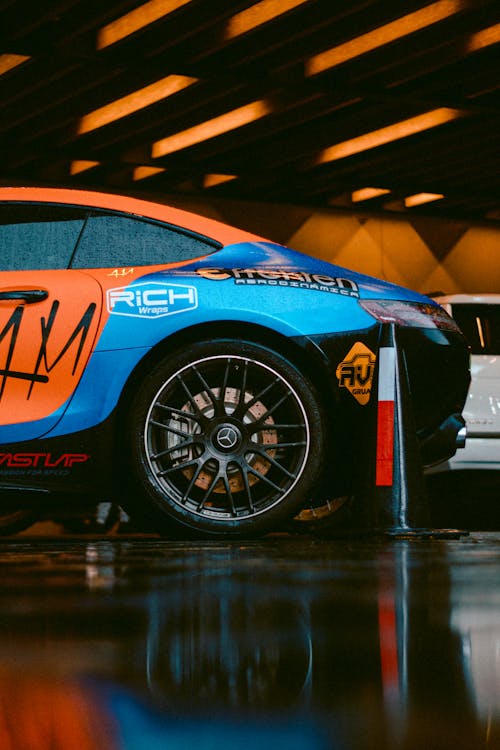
column 355, row 372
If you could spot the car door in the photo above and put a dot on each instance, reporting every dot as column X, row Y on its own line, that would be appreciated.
column 49, row 316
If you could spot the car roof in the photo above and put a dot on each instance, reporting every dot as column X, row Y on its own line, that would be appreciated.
column 216, row 230
column 469, row 299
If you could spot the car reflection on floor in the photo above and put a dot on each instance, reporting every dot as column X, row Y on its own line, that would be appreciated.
column 301, row 643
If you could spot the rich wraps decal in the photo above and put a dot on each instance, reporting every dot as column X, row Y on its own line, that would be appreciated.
column 151, row 299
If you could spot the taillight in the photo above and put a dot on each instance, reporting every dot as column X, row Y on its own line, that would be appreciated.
column 410, row 314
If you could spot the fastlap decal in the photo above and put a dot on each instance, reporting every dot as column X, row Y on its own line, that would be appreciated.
column 40, row 464
column 42, row 460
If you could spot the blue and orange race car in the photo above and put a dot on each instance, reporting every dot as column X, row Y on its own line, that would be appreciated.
column 196, row 374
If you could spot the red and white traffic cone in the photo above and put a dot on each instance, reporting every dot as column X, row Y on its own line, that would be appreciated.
column 395, row 499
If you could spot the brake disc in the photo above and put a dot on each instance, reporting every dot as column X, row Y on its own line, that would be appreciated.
column 256, row 461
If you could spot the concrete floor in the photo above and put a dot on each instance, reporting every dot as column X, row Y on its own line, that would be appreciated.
column 357, row 644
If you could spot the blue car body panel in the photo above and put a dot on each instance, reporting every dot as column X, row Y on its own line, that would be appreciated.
column 308, row 297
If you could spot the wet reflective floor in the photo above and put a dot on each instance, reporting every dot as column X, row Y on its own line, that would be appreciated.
column 356, row 644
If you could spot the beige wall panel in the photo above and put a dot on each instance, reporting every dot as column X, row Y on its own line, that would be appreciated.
column 440, row 280
column 361, row 253
column 475, row 261
column 322, row 237
column 406, row 259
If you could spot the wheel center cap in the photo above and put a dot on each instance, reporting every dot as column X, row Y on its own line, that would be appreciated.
column 227, row 438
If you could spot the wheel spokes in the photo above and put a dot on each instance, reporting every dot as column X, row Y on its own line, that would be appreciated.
column 274, row 463
column 273, row 408
column 189, row 395
column 188, row 457
column 173, row 410
column 245, row 406
column 173, row 448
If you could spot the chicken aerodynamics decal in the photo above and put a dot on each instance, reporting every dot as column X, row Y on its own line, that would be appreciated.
column 355, row 372
column 284, row 278
column 151, row 299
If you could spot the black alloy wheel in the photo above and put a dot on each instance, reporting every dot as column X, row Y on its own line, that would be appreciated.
column 227, row 438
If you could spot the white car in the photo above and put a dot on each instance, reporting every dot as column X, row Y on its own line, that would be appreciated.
column 478, row 316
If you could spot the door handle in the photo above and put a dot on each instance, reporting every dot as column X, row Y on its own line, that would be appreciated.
column 25, row 295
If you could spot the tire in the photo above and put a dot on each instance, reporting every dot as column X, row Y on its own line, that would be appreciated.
column 227, row 438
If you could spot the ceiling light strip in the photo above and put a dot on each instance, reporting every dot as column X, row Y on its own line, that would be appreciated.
column 142, row 173
column 211, row 180
column 137, row 19
column 82, row 165
column 133, row 102
column 389, row 32
column 237, row 118
column 367, row 193
column 257, row 15
column 395, row 132
column 10, row 61
column 420, row 198
column 484, row 38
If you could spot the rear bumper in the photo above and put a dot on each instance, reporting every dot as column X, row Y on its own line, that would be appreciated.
column 438, row 372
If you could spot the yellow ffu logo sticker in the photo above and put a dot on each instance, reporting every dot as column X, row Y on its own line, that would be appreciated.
column 355, row 372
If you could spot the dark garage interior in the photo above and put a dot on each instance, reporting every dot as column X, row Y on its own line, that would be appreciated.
column 261, row 93
column 364, row 134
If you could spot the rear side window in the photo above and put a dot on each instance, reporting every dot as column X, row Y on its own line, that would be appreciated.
column 38, row 237
column 480, row 325
column 111, row 241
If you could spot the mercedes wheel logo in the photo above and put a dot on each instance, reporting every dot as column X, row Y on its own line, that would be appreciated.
column 227, row 437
